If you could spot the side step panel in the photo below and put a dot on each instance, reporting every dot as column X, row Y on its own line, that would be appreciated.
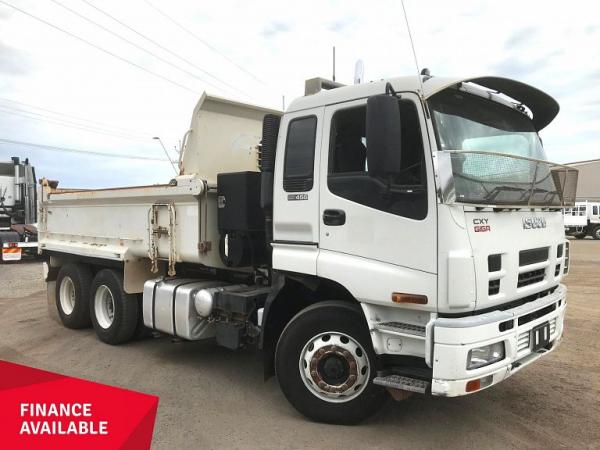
column 403, row 383
column 401, row 329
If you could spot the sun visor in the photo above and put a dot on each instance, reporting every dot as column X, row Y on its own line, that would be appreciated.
column 543, row 107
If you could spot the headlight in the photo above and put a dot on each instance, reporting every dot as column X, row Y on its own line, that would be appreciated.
column 484, row 356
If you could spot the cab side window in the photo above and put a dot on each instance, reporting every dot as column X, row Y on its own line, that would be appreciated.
column 404, row 194
column 298, row 172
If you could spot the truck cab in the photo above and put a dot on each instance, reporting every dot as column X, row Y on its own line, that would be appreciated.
column 401, row 236
column 439, row 214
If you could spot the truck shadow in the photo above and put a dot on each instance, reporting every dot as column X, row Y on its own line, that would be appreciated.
column 243, row 370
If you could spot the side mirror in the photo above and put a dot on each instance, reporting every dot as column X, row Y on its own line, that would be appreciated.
column 383, row 135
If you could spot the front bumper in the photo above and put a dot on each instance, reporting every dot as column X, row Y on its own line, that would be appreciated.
column 453, row 338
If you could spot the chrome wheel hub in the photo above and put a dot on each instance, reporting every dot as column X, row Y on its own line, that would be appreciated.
column 334, row 367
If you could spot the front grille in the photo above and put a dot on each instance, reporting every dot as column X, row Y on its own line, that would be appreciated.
column 506, row 325
column 494, row 287
column 529, row 298
column 531, row 277
column 506, row 306
column 536, row 314
column 553, row 326
column 523, row 341
column 533, row 256
column 494, row 263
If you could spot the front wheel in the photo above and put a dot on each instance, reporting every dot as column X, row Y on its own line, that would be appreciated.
column 596, row 233
column 325, row 364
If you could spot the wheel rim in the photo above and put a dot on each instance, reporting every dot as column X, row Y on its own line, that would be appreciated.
column 104, row 306
column 334, row 367
column 597, row 233
column 67, row 295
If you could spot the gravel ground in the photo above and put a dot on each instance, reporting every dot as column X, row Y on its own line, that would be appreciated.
column 213, row 398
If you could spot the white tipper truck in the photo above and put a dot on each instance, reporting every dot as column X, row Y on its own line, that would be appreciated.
column 583, row 220
column 398, row 236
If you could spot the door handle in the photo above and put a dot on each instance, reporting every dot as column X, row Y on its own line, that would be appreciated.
column 334, row 217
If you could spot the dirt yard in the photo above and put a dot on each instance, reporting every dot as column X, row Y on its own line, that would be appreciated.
column 213, row 398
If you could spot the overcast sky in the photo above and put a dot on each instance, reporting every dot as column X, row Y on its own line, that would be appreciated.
column 257, row 52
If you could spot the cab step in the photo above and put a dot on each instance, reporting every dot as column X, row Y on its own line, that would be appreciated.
column 402, row 329
column 403, row 383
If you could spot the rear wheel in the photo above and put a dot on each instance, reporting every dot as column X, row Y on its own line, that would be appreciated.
column 325, row 364
column 596, row 233
column 114, row 312
column 72, row 295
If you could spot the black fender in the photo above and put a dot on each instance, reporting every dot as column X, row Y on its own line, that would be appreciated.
column 290, row 294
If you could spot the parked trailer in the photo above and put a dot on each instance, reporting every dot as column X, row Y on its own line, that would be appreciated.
column 372, row 239
column 583, row 220
column 18, row 210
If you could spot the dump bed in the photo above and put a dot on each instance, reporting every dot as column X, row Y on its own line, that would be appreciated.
column 160, row 222
column 154, row 227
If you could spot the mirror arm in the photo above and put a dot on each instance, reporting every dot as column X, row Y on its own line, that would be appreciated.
column 389, row 89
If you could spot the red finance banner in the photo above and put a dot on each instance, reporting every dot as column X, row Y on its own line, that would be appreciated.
column 40, row 410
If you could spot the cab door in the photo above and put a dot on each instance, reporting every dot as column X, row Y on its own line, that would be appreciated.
column 377, row 236
column 595, row 213
column 296, row 192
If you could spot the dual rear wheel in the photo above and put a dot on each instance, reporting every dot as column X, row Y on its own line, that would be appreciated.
column 100, row 300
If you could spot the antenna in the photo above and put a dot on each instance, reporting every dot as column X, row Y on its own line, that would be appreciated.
column 334, row 63
column 413, row 48
column 359, row 72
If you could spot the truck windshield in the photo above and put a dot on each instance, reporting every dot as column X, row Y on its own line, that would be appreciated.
column 492, row 146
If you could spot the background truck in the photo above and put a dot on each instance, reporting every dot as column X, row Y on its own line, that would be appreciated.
column 18, row 210
column 583, row 220
column 393, row 237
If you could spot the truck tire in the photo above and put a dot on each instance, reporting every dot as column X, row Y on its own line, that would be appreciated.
column 114, row 312
column 596, row 233
column 72, row 295
column 325, row 364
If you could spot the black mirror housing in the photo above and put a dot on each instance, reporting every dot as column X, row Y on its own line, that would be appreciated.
column 383, row 135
